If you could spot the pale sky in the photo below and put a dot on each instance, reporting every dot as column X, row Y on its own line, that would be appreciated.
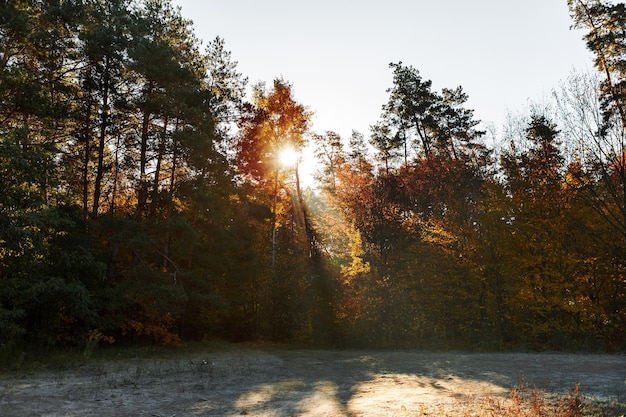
column 504, row 53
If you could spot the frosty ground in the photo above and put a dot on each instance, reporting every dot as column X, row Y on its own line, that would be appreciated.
column 273, row 382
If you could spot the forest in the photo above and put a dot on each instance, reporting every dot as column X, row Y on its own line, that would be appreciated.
column 143, row 199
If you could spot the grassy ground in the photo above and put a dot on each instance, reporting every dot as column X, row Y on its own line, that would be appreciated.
column 233, row 380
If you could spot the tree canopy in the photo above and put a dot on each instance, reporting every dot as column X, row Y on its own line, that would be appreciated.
column 142, row 199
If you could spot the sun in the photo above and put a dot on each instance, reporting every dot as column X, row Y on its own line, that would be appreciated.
column 288, row 157
column 304, row 161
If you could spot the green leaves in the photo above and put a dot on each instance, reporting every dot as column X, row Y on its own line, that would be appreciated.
column 417, row 116
column 606, row 38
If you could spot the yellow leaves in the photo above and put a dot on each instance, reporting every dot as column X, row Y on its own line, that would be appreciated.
column 357, row 266
column 435, row 233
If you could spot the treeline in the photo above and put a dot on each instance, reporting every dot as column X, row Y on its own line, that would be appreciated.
column 143, row 199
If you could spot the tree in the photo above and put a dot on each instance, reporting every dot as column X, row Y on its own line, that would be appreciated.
column 273, row 122
column 330, row 154
column 414, row 114
column 46, row 265
column 104, row 38
column 414, row 213
column 544, row 301
column 606, row 24
column 606, row 39
column 410, row 110
column 168, row 69
column 227, row 86
column 603, row 176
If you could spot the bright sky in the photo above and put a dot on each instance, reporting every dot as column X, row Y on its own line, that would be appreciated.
column 504, row 53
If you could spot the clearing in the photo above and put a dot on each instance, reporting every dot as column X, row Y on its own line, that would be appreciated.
column 273, row 382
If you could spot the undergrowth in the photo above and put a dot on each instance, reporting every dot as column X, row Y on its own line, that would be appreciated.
column 14, row 359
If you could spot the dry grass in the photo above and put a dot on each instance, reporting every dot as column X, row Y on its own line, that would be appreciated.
column 523, row 402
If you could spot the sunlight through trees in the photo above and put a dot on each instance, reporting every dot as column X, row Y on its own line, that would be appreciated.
column 145, row 199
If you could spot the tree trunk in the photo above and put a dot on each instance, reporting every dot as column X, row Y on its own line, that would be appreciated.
column 142, row 194
column 157, row 170
column 86, row 159
column 102, row 140
column 168, row 207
